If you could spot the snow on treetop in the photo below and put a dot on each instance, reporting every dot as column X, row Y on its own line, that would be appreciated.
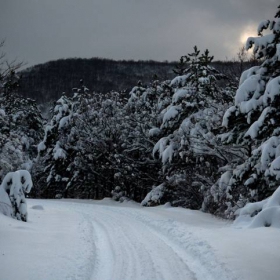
column 275, row 26
column 272, row 90
column 155, row 131
column 168, row 153
column 248, row 96
column 254, row 129
column 180, row 94
column 270, row 150
column 171, row 113
column 180, row 80
column 260, row 44
column 160, row 146
column 58, row 152
column 275, row 165
column 41, row 146
column 2, row 113
column 247, row 89
column 249, row 72
column 227, row 115
column 263, row 25
column 264, row 43
column 64, row 121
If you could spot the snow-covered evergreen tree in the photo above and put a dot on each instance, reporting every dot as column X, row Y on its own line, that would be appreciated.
column 253, row 123
column 80, row 147
column 56, row 149
column 140, row 131
column 189, row 150
column 99, row 132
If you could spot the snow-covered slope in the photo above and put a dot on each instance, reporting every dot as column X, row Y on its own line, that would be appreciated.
column 73, row 239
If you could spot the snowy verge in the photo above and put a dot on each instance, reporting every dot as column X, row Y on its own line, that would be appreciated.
column 54, row 243
column 264, row 213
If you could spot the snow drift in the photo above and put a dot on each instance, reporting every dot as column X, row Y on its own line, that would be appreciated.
column 264, row 213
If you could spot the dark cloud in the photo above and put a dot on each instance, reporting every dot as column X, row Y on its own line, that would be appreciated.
column 37, row 31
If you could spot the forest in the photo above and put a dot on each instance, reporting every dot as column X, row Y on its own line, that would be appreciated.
column 188, row 133
column 46, row 82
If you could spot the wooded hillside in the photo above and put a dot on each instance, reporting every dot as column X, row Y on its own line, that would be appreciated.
column 46, row 82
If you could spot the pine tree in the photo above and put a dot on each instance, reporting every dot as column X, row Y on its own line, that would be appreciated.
column 253, row 123
column 188, row 147
column 140, row 132
column 54, row 147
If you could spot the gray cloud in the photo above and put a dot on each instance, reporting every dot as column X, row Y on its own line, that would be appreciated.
column 37, row 31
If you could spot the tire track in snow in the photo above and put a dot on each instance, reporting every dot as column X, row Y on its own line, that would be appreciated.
column 133, row 243
column 195, row 252
column 118, row 257
column 149, row 252
column 114, row 259
column 127, row 249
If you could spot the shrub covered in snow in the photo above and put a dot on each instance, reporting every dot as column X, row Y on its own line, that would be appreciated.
column 155, row 196
column 12, row 194
column 118, row 194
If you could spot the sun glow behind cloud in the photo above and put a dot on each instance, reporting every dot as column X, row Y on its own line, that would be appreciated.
column 249, row 31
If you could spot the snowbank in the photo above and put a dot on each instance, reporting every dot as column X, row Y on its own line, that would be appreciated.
column 264, row 213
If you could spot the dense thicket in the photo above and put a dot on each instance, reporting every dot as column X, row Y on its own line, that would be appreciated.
column 98, row 145
column 21, row 127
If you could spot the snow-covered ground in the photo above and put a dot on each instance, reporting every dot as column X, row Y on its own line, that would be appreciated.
column 105, row 240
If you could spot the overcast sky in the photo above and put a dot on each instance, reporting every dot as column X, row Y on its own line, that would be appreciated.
column 37, row 31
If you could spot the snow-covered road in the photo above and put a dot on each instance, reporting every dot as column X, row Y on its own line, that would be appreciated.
column 105, row 240
column 134, row 245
